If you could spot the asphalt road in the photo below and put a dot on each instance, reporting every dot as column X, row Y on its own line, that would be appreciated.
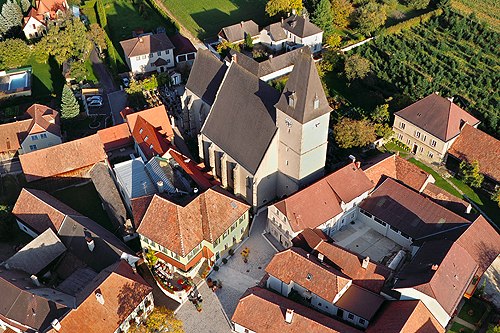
column 101, row 71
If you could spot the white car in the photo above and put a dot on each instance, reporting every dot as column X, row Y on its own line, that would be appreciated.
column 94, row 98
column 95, row 103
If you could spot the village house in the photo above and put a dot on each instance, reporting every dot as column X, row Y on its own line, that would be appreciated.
column 430, row 126
column 278, row 141
column 40, row 129
column 236, row 33
column 184, row 50
column 149, row 53
column 328, row 204
column 302, row 32
column 35, row 23
column 199, row 232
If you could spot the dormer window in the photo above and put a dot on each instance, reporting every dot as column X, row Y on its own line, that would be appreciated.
column 316, row 102
column 291, row 99
column 140, row 131
column 151, row 147
column 146, row 138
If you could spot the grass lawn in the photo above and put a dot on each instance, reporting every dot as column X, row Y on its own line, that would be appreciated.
column 85, row 200
column 457, row 328
column 440, row 181
column 392, row 147
column 476, row 307
column 205, row 18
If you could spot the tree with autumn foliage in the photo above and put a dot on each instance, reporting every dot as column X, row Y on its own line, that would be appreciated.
column 275, row 7
column 350, row 133
column 160, row 320
column 471, row 174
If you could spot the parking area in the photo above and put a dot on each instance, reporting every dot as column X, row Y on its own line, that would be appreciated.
column 96, row 104
column 360, row 238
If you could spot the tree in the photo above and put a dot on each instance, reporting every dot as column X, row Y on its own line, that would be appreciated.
column 323, row 17
column 6, row 222
column 471, row 174
column 356, row 67
column 351, row 133
column 13, row 53
column 224, row 47
column 381, row 113
column 417, row 4
column 443, row 3
column 248, row 41
column 98, row 36
column 11, row 16
column 370, row 17
column 25, row 5
column 493, row 329
column 341, row 12
column 69, row 105
column 274, row 7
column 160, row 320
column 333, row 41
column 383, row 131
column 496, row 197
column 78, row 70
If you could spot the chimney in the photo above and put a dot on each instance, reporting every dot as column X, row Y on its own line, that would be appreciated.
column 90, row 243
column 365, row 263
column 99, row 296
column 321, row 257
column 56, row 325
column 241, row 24
column 289, row 316
column 234, row 57
column 468, row 209
column 435, row 267
column 450, row 99
column 160, row 186
column 35, row 281
column 141, row 40
column 358, row 164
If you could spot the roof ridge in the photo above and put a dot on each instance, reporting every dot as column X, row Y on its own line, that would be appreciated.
column 181, row 239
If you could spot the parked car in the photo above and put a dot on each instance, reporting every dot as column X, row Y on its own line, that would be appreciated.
column 94, row 98
column 95, row 103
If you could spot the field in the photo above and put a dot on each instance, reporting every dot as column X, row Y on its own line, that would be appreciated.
column 448, row 54
column 485, row 10
column 205, row 18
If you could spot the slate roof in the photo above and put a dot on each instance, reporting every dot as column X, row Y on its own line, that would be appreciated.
column 296, row 265
column 244, row 104
column 300, row 26
column 181, row 229
column 408, row 211
column 360, row 301
column 475, row 145
column 409, row 316
column 236, row 32
column 305, row 88
column 62, row 158
column 321, row 201
column 146, row 44
column 263, row 311
column 206, row 76
column 438, row 116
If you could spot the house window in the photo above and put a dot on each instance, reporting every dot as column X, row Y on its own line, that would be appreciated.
column 138, row 58
column 167, row 51
column 424, row 137
column 433, row 143
column 146, row 138
column 408, row 141
column 233, row 227
column 393, row 229
column 350, row 316
column 159, row 53
column 421, row 149
column 144, row 57
column 34, row 137
column 43, row 136
column 431, row 155
column 380, row 221
column 361, row 321
column 168, row 61
column 286, row 162
column 417, row 134
column 32, row 147
column 402, row 125
column 140, row 131
column 400, row 136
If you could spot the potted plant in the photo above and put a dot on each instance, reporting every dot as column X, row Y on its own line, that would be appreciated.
column 224, row 261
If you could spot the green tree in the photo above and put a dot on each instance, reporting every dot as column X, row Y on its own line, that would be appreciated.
column 323, row 17
column 224, row 47
column 6, row 222
column 98, row 36
column 356, row 67
column 25, row 5
column 334, row 41
column 13, row 53
column 341, row 12
column 274, row 7
column 381, row 113
column 11, row 16
column 443, row 3
column 471, row 174
column 370, row 17
column 160, row 320
column 496, row 198
column 248, row 41
column 417, row 4
column 78, row 70
column 349, row 133
column 493, row 329
column 69, row 105
column 383, row 131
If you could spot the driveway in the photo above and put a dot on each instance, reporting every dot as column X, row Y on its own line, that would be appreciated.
column 236, row 276
column 102, row 73
column 117, row 102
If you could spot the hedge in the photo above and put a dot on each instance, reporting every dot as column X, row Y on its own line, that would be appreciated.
column 408, row 24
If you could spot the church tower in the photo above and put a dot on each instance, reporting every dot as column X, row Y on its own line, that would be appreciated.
column 302, row 117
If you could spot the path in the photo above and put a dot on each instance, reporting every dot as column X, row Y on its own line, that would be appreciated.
column 102, row 73
column 464, row 323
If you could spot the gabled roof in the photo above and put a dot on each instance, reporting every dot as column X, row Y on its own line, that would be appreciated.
column 438, row 116
column 139, row 206
column 300, row 26
column 122, row 291
column 146, row 44
column 305, row 270
column 181, row 229
column 32, row 13
column 371, row 278
column 236, row 32
column 52, row 6
column 157, row 117
column 182, row 44
column 206, row 76
column 263, row 311
column 276, row 32
column 149, row 139
column 411, row 316
column 245, row 105
column 447, row 282
column 475, row 145
column 321, row 201
column 62, row 158
column 202, row 179
column 303, row 98
column 408, row 211
column 449, row 201
column 115, row 137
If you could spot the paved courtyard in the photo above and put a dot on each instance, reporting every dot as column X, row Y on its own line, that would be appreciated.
column 362, row 239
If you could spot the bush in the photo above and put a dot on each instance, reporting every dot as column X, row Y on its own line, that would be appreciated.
column 224, row 261
column 216, row 268
column 231, row 251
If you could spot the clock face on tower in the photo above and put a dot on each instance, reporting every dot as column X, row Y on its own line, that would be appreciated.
column 288, row 122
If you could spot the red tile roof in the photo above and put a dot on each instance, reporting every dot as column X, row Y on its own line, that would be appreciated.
column 115, row 137
column 263, row 311
column 180, row 229
column 475, row 145
column 411, row 316
column 305, row 270
column 122, row 290
column 438, row 116
column 449, row 201
column 139, row 206
column 62, row 158
column 372, row 278
column 321, row 201
column 41, row 211
column 202, row 179
column 409, row 211
column 157, row 117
